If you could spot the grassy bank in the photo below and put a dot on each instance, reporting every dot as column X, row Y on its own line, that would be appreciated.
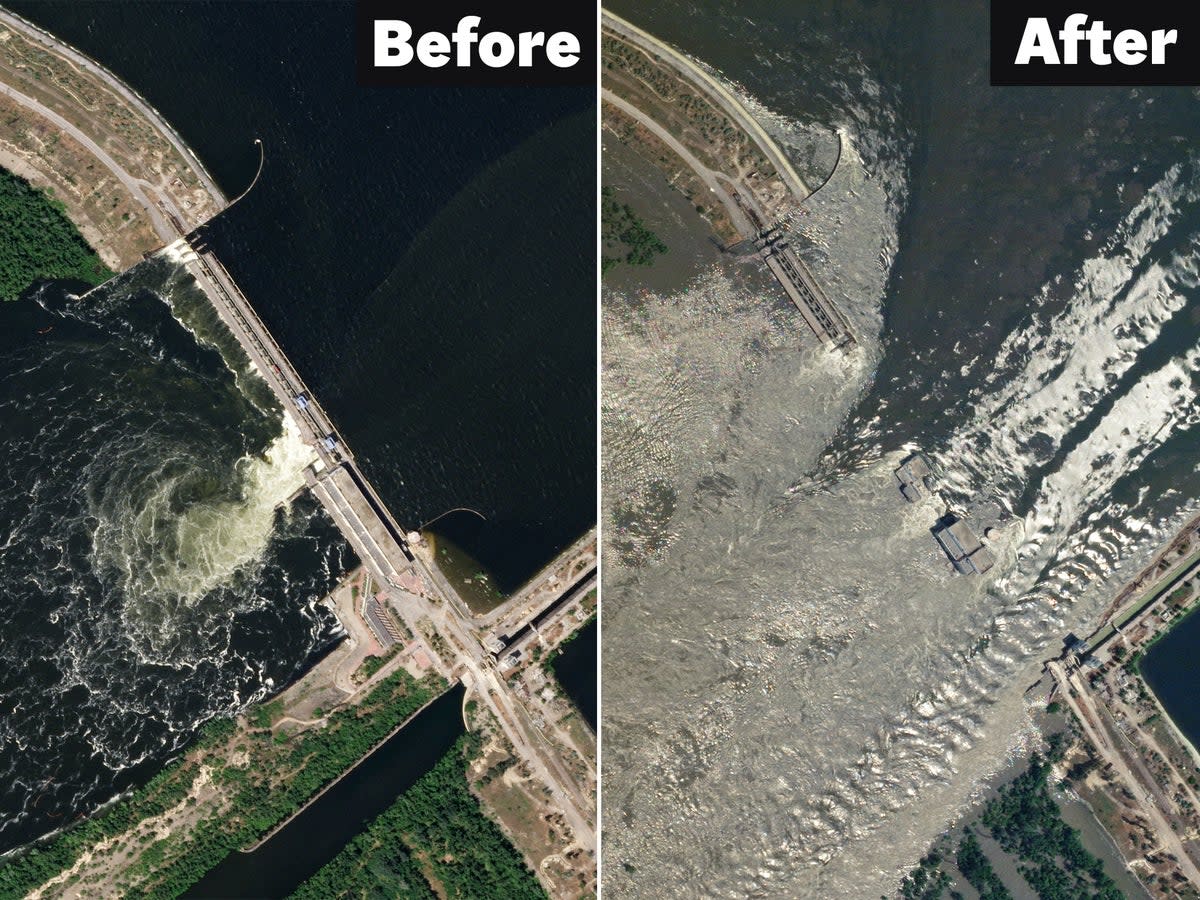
column 232, row 787
column 40, row 242
column 433, row 842
column 554, row 654
column 1134, row 666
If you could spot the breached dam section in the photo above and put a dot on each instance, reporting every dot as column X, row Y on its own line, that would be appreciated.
column 800, row 693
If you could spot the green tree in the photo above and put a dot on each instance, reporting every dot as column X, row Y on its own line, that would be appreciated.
column 39, row 241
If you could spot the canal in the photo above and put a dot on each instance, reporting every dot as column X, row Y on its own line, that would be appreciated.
column 1170, row 670
column 318, row 834
column 575, row 669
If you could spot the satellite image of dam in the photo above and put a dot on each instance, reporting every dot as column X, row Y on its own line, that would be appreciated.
column 899, row 407
column 297, row 525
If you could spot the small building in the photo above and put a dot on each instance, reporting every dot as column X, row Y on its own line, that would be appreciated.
column 493, row 643
column 1077, row 645
column 963, row 547
column 915, row 477
column 380, row 621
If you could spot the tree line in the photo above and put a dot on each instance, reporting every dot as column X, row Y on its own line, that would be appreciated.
column 436, row 832
column 39, row 241
column 281, row 775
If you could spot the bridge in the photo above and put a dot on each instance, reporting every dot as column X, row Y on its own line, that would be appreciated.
column 417, row 592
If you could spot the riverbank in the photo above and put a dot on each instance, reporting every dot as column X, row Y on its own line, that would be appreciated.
column 122, row 172
column 433, row 834
column 1128, row 772
column 236, row 782
column 1144, row 789
column 670, row 109
column 1028, row 834
column 331, row 824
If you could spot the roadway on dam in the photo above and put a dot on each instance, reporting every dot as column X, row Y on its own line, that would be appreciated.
column 416, row 591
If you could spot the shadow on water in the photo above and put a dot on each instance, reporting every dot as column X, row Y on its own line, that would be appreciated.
column 317, row 835
column 425, row 257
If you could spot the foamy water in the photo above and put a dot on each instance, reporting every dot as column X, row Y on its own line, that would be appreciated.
column 157, row 569
column 799, row 693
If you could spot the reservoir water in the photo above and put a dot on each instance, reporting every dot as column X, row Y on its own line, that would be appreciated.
column 317, row 835
column 1170, row 669
column 575, row 669
column 408, row 249
column 798, row 693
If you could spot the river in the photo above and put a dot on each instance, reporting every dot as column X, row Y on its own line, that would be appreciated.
column 399, row 245
column 799, row 695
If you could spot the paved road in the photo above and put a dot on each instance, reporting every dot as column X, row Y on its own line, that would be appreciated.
column 527, row 740
column 714, row 89
column 1128, row 766
column 740, row 222
column 513, row 605
column 136, row 186
column 480, row 668
column 126, row 93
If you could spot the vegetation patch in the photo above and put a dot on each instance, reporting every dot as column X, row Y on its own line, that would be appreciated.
column 260, row 780
column 373, row 664
column 40, row 242
column 974, row 864
column 1026, row 822
column 624, row 236
column 436, row 828
column 927, row 881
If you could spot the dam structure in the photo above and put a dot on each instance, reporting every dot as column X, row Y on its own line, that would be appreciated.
column 170, row 199
column 333, row 476
column 758, row 197
column 412, row 587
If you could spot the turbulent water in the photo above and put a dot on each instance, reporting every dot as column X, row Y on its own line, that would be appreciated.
column 425, row 257
column 799, row 693
column 396, row 245
column 155, row 570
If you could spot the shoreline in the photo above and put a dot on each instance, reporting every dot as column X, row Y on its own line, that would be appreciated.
column 279, row 826
column 1187, row 742
column 1092, row 720
column 68, row 97
column 128, row 180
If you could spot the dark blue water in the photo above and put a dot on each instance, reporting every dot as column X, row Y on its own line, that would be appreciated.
column 576, row 670
column 318, row 834
column 425, row 257
column 1173, row 673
